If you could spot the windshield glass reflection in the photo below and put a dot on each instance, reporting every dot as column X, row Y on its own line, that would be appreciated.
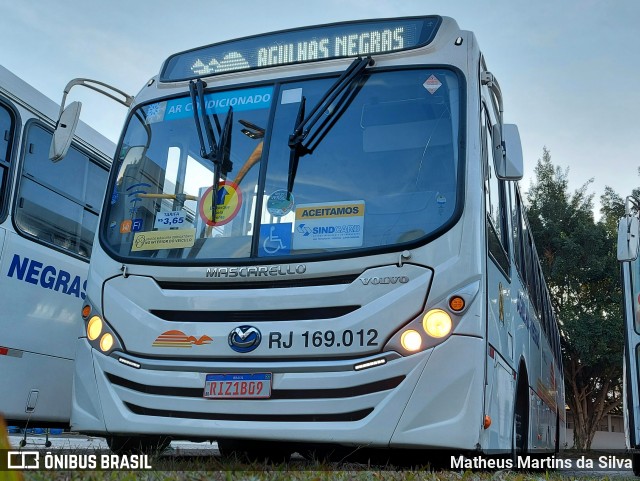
column 385, row 173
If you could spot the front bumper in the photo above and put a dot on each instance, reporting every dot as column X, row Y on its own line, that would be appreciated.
column 424, row 400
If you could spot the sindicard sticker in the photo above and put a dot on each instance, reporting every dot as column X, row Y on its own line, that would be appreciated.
column 329, row 225
column 163, row 239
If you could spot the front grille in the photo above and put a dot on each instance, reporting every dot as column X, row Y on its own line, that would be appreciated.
column 266, row 284
column 293, row 418
column 254, row 316
column 338, row 393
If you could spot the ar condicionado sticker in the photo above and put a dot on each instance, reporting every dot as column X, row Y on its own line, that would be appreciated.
column 229, row 201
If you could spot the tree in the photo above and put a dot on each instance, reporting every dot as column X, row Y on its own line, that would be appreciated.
column 578, row 257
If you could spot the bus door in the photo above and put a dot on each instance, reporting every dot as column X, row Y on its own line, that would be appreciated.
column 628, row 235
column 499, row 374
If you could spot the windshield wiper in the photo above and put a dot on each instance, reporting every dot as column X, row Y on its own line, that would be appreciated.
column 196, row 89
column 332, row 105
column 219, row 155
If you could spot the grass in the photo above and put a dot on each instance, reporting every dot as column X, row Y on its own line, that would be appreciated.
column 172, row 468
column 196, row 465
column 275, row 474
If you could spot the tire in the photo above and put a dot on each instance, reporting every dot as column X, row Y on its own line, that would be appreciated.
column 635, row 461
column 138, row 445
column 557, row 446
column 255, row 451
column 520, row 439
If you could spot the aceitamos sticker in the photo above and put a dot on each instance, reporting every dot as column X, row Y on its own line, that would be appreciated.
column 329, row 225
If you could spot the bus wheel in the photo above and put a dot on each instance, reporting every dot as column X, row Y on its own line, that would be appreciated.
column 138, row 445
column 557, row 445
column 255, row 451
column 520, row 426
column 635, row 461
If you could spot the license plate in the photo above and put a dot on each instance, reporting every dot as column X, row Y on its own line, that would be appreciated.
column 238, row 386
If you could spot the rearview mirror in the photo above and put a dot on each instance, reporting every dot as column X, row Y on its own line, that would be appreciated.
column 508, row 158
column 628, row 239
column 65, row 129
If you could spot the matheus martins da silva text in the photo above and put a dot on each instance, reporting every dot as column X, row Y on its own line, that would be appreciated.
column 536, row 462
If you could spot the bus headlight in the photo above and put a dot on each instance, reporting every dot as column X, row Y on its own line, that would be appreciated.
column 411, row 340
column 94, row 328
column 100, row 334
column 106, row 342
column 437, row 323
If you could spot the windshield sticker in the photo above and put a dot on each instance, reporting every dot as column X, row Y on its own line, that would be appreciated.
column 125, row 226
column 163, row 239
column 219, row 103
column 280, row 203
column 229, row 202
column 432, row 84
column 171, row 219
column 155, row 112
column 329, row 225
column 275, row 239
column 291, row 96
column 136, row 225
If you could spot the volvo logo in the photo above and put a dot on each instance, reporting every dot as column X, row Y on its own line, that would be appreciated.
column 384, row 280
column 244, row 338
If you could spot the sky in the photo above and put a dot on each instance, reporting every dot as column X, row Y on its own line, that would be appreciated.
column 569, row 69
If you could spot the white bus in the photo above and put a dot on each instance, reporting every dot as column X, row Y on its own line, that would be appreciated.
column 628, row 237
column 364, row 274
column 48, row 217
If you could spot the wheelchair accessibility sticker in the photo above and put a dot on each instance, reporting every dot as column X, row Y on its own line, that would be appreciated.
column 275, row 239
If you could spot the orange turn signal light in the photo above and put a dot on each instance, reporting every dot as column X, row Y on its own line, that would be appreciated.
column 487, row 422
column 86, row 310
column 456, row 303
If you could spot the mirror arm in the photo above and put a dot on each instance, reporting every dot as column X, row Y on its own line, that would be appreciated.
column 99, row 87
column 488, row 79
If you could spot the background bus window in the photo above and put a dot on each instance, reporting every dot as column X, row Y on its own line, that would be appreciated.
column 6, row 136
column 58, row 203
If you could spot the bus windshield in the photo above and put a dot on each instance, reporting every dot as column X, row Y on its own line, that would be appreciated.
column 385, row 172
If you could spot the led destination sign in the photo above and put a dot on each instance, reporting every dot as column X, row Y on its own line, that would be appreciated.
column 302, row 45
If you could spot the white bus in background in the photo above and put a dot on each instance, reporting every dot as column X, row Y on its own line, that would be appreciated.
column 628, row 239
column 315, row 238
column 48, row 217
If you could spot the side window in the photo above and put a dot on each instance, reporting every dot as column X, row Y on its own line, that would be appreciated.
column 525, row 247
column 533, row 274
column 495, row 203
column 6, row 140
column 635, row 290
column 516, row 227
column 59, row 203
